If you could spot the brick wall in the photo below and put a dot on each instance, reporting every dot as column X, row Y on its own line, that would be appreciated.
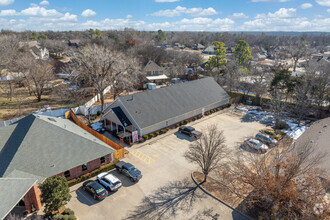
column 33, row 198
column 92, row 165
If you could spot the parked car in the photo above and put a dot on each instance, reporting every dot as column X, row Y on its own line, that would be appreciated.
column 129, row 170
column 255, row 144
column 277, row 134
column 109, row 181
column 95, row 189
column 264, row 138
column 190, row 131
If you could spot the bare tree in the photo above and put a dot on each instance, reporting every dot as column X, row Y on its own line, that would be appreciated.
column 8, row 50
column 232, row 75
column 281, row 185
column 209, row 151
column 38, row 78
column 298, row 49
column 281, row 88
column 302, row 97
column 100, row 67
column 260, row 80
column 320, row 74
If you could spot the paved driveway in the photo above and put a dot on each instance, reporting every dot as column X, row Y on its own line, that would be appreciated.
column 166, row 189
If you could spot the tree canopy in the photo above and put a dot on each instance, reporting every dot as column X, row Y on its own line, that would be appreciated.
column 55, row 193
column 242, row 52
column 218, row 61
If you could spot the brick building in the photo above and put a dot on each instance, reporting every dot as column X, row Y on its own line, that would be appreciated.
column 37, row 147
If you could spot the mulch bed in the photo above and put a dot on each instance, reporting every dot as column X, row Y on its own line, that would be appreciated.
column 217, row 190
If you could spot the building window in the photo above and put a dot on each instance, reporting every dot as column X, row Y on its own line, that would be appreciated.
column 102, row 159
column 67, row 173
column 84, row 167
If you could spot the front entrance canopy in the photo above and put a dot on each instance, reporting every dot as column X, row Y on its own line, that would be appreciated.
column 157, row 77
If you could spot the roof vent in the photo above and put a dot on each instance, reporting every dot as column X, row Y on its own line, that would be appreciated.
column 53, row 165
column 52, row 119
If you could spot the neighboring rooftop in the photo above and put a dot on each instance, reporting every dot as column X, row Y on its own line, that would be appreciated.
column 151, row 66
column 318, row 134
column 153, row 106
column 43, row 146
column 13, row 190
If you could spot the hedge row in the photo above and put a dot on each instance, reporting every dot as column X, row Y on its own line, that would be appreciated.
column 67, row 214
column 86, row 176
column 162, row 131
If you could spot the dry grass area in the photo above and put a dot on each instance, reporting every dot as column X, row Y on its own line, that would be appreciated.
column 217, row 190
column 23, row 103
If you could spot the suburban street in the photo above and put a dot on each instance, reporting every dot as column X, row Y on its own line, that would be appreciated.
column 166, row 190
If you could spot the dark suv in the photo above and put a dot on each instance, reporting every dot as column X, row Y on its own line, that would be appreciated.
column 95, row 189
column 190, row 131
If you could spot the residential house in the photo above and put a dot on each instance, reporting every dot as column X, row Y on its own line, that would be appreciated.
column 37, row 147
column 210, row 50
column 73, row 43
column 155, row 73
column 152, row 110
column 198, row 47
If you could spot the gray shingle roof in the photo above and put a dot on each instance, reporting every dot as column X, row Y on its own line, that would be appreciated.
column 318, row 134
column 44, row 146
column 152, row 66
column 153, row 106
column 12, row 191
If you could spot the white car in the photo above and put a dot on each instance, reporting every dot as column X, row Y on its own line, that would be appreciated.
column 109, row 181
column 255, row 144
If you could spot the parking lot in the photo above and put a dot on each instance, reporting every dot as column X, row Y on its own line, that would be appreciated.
column 166, row 189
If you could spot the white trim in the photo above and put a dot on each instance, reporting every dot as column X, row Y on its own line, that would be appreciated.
column 130, row 115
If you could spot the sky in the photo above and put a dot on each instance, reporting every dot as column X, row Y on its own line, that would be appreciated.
column 167, row 15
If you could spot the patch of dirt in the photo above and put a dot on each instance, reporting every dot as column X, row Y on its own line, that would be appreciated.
column 217, row 190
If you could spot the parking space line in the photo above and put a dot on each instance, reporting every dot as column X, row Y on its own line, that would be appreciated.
column 159, row 150
column 166, row 145
column 143, row 157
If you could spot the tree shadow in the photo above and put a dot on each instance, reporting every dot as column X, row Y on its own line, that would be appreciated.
column 206, row 214
column 261, row 118
column 85, row 198
column 168, row 200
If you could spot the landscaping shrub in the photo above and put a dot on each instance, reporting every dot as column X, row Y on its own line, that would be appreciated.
column 212, row 111
column 82, row 178
column 177, row 125
column 199, row 116
column 282, row 125
column 64, row 217
column 145, row 137
column 68, row 211
column 167, row 129
column 182, row 123
column 218, row 109
column 156, row 133
column 141, row 140
column 186, row 122
column 151, row 135
column 163, row 131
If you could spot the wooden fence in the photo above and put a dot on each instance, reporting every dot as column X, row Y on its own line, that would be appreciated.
column 118, row 154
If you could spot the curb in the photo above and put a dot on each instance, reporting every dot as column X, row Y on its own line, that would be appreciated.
column 172, row 131
column 219, row 200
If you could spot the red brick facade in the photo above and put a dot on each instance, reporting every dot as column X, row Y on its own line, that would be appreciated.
column 32, row 198
column 92, row 165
